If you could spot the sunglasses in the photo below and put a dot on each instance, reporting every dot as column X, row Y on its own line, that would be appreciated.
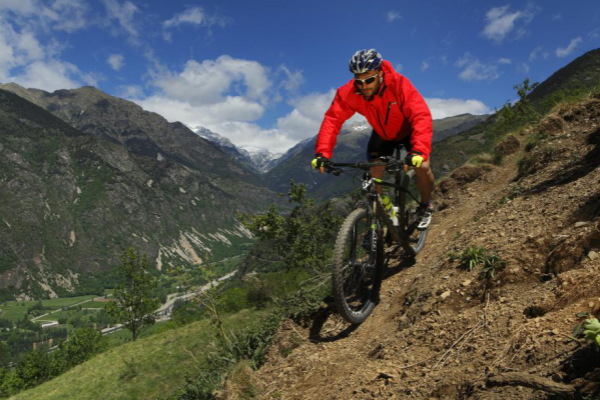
column 366, row 81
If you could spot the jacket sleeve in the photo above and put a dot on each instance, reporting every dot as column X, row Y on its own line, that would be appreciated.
column 417, row 112
column 338, row 113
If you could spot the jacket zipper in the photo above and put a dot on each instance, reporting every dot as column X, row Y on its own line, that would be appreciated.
column 379, row 120
column 387, row 114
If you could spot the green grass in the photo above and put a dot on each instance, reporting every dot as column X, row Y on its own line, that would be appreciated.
column 13, row 310
column 151, row 367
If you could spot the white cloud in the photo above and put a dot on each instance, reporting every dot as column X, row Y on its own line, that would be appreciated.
column 293, row 79
column 475, row 70
column 500, row 22
column 235, row 118
column 228, row 96
column 211, row 81
column 207, row 115
column 557, row 17
column 443, row 108
column 130, row 92
column 19, row 6
column 424, row 66
column 393, row 16
column 29, row 52
column 63, row 15
column 524, row 68
column 67, row 15
column 304, row 121
column 124, row 14
column 504, row 61
column 534, row 54
column 195, row 16
column 565, row 51
column 115, row 61
column 49, row 76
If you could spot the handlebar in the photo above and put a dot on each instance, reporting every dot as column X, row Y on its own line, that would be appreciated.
column 387, row 162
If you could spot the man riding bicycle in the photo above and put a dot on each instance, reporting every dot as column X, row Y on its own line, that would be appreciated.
column 397, row 113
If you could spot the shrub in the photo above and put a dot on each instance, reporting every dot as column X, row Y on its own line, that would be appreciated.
column 473, row 256
column 469, row 258
column 492, row 264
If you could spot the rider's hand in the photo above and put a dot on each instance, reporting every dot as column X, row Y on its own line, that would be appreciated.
column 414, row 160
column 319, row 162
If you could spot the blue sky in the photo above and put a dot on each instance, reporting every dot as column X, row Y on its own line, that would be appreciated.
column 262, row 73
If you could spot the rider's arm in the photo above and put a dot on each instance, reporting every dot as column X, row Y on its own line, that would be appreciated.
column 417, row 112
column 338, row 113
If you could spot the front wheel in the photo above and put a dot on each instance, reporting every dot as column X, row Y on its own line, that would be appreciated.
column 357, row 266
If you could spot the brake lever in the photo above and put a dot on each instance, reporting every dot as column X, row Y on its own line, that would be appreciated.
column 334, row 171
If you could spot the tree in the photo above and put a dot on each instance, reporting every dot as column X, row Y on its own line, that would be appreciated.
column 34, row 369
column 523, row 107
column 304, row 238
column 83, row 344
column 135, row 305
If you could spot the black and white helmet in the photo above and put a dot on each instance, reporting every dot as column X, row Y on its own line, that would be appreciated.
column 365, row 60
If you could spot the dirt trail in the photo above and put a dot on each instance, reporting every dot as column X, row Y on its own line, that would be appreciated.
column 440, row 331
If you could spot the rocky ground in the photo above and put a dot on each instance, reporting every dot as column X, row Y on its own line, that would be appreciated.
column 444, row 332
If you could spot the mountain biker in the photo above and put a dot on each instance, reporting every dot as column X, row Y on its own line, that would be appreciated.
column 397, row 113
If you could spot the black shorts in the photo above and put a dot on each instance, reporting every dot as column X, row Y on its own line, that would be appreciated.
column 379, row 147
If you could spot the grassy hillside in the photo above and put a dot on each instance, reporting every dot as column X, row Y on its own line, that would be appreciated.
column 149, row 368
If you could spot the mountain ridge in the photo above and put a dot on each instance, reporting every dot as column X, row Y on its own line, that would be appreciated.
column 85, row 196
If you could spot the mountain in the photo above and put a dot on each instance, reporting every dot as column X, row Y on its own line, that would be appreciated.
column 262, row 159
column 351, row 147
column 146, row 133
column 450, row 126
column 98, row 175
column 259, row 160
column 582, row 74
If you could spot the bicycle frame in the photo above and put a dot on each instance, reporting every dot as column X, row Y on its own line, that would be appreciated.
column 374, row 203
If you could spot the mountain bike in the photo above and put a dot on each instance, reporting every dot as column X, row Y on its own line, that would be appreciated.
column 359, row 256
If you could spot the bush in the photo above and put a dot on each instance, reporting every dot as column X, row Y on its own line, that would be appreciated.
column 234, row 300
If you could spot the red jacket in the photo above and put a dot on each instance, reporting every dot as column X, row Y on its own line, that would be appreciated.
column 397, row 111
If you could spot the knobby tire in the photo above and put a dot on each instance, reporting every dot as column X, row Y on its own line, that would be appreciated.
column 357, row 272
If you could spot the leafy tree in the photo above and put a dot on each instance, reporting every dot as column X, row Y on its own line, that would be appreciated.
column 135, row 305
column 34, row 368
column 523, row 107
column 82, row 345
column 4, row 355
column 303, row 239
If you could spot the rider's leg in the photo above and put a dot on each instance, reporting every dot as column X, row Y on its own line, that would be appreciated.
column 376, row 148
column 425, row 181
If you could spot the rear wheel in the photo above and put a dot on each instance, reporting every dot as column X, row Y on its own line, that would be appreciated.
column 357, row 265
column 415, row 239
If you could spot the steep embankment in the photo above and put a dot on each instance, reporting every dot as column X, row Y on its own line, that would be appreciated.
column 441, row 331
